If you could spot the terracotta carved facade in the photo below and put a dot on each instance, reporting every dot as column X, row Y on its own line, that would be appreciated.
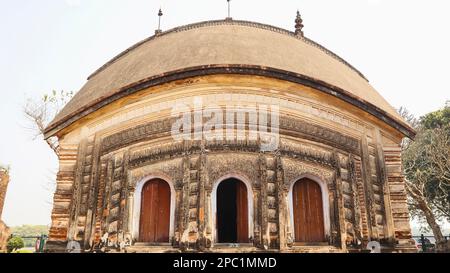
column 348, row 153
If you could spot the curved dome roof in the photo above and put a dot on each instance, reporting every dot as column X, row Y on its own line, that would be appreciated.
column 227, row 46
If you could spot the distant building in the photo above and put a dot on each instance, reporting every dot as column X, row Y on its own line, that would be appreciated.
column 4, row 230
column 331, row 182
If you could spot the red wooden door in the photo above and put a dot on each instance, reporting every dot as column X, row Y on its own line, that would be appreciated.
column 242, row 212
column 155, row 212
column 308, row 212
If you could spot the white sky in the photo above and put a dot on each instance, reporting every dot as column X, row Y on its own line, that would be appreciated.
column 402, row 46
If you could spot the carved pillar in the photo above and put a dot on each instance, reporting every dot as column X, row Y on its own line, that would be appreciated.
column 191, row 202
column 107, row 195
column 361, row 192
column 354, row 189
column 92, row 197
column 124, row 204
column 366, row 176
column 179, row 208
column 340, row 204
column 257, row 234
column 77, row 192
column 282, row 205
column 184, row 204
column 130, row 207
column 99, row 195
column 116, row 204
column 265, row 236
column 334, row 215
column 382, row 174
column 202, row 242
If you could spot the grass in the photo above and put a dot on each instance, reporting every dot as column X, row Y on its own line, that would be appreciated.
column 24, row 251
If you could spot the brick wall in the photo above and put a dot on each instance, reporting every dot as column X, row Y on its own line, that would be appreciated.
column 4, row 180
column 4, row 235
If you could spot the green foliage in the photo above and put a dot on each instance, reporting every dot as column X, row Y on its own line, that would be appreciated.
column 438, row 119
column 57, row 99
column 14, row 244
column 24, row 251
column 29, row 231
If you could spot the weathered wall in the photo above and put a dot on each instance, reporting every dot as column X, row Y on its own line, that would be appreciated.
column 4, row 180
column 4, row 230
column 105, row 155
column 63, row 197
column 4, row 236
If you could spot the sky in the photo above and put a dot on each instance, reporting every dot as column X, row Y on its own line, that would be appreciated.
column 401, row 46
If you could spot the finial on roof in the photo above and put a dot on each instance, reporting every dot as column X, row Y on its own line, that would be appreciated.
column 229, row 10
column 160, row 14
column 299, row 25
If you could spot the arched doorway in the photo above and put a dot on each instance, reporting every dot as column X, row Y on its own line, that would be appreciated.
column 154, row 223
column 308, row 212
column 232, row 217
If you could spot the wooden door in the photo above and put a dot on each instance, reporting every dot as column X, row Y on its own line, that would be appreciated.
column 242, row 212
column 155, row 212
column 308, row 212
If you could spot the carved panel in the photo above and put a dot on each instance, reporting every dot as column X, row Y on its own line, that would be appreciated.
column 220, row 165
column 171, row 169
column 288, row 126
column 294, row 169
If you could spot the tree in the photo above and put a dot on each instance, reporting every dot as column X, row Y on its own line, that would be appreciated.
column 14, row 244
column 41, row 112
column 426, row 163
column 29, row 231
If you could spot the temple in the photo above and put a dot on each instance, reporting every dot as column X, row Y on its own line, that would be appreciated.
column 229, row 136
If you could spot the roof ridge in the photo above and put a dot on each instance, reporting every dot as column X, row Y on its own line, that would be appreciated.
column 227, row 22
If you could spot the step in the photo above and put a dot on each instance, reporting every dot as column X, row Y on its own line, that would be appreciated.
column 149, row 248
column 314, row 249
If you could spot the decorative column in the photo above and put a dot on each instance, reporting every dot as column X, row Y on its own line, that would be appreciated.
column 382, row 174
column 257, row 210
column 92, row 196
column 77, row 192
column 263, row 203
column 179, row 205
column 203, row 216
column 99, row 195
column 340, row 203
column 66, row 185
column 357, row 224
column 367, row 177
column 334, row 215
column 184, row 203
column 282, row 206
